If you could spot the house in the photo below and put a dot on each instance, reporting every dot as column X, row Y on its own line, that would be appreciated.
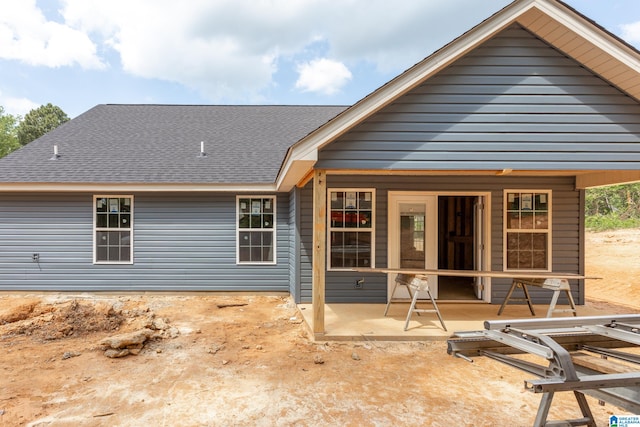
column 476, row 158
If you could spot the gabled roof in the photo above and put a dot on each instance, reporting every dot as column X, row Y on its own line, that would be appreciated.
column 550, row 20
column 143, row 145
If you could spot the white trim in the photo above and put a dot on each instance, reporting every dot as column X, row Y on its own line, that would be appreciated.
column 548, row 231
column 95, row 229
column 274, row 234
column 372, row 229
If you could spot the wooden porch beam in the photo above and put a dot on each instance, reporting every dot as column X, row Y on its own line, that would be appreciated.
column 599, row 179
column 304, row 181
column 319, row 250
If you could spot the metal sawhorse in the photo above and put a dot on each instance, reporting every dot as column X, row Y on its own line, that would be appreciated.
column 556, row 285
column 415, row 284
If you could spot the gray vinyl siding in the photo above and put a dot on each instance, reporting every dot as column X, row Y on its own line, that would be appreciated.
column 294, row 243
column 181, row 242
column 513, row 103
column 567, row 243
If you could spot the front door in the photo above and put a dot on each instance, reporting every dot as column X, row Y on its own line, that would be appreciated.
column 439, row 231
column 413, row 231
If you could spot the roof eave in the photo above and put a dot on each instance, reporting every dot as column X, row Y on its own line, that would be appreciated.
column 88, row 187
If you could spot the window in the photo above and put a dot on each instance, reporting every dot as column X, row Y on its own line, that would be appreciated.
column 256, row 230
column 351, row 228
column 113, row 217
column 527, row 230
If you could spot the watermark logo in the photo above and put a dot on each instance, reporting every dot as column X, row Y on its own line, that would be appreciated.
column 624, row 421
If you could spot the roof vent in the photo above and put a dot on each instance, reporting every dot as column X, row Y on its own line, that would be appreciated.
column 56, row 156
column 202, row 153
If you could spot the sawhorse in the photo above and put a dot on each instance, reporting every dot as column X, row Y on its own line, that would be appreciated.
column 554, row 284
column 417, row 284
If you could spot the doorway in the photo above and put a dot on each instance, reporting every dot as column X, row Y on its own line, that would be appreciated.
column 440, row 231
column 456, row 230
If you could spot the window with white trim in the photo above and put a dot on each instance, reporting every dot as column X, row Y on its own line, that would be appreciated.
column 256, row 230
column 351, row 222
column 527, row 232
column 113, row 229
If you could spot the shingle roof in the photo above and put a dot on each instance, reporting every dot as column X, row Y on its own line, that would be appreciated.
column 161, row 144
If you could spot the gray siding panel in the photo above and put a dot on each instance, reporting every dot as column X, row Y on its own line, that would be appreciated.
column 513, row 103
column 294, row 244
column 181, row 242
column 566, row 216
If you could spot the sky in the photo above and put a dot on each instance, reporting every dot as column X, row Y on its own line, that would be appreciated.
column 79, row 53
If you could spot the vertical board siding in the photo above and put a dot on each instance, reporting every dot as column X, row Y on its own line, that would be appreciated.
column 566, row 216
column 515, row 102
column 181, row 242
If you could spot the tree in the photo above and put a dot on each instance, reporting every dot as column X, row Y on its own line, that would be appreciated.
column 39, row 121
column 8, row 133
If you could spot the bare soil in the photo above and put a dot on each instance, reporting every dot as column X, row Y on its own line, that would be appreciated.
column 219, row 360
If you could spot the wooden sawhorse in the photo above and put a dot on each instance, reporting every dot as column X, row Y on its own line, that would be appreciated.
column 554, row 284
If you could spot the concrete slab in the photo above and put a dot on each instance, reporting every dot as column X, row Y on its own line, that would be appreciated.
column 363, row 322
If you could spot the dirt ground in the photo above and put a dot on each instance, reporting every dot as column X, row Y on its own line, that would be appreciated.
column 215, row 360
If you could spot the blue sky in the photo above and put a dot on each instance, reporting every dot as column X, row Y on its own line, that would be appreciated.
column 79, row 53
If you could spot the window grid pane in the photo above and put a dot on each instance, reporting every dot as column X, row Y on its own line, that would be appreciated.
column 113, row 246
column 255, row 246
column 527, row 250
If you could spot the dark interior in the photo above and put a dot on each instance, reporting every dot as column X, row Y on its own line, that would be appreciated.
column 455, row 245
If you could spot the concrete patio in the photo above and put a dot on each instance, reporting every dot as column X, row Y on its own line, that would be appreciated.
column 354, row 322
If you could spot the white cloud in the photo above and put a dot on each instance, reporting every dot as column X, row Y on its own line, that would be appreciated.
column 323, row 76
column 232, row 49
column 27, row 36
column 631, row 32
column 17, row 106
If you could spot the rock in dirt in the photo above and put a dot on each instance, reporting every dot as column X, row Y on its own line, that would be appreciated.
column 69, row 355
column 125, row 344
column 127, row 339
column 115, row 354
column 318, row 360
column 18, row 313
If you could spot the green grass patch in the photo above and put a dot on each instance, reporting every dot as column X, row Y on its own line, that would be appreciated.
column 610, row 222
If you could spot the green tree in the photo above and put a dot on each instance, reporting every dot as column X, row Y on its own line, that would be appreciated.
column 615, row 206
column 8, row 133
column 39, row 121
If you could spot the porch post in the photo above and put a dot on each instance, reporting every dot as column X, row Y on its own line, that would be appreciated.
column 319, row 249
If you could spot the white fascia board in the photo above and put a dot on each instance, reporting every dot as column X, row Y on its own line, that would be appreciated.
column 308, row 146
column 131, row 188
column 591, row 33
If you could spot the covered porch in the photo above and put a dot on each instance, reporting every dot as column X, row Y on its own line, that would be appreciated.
column 366, row 322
